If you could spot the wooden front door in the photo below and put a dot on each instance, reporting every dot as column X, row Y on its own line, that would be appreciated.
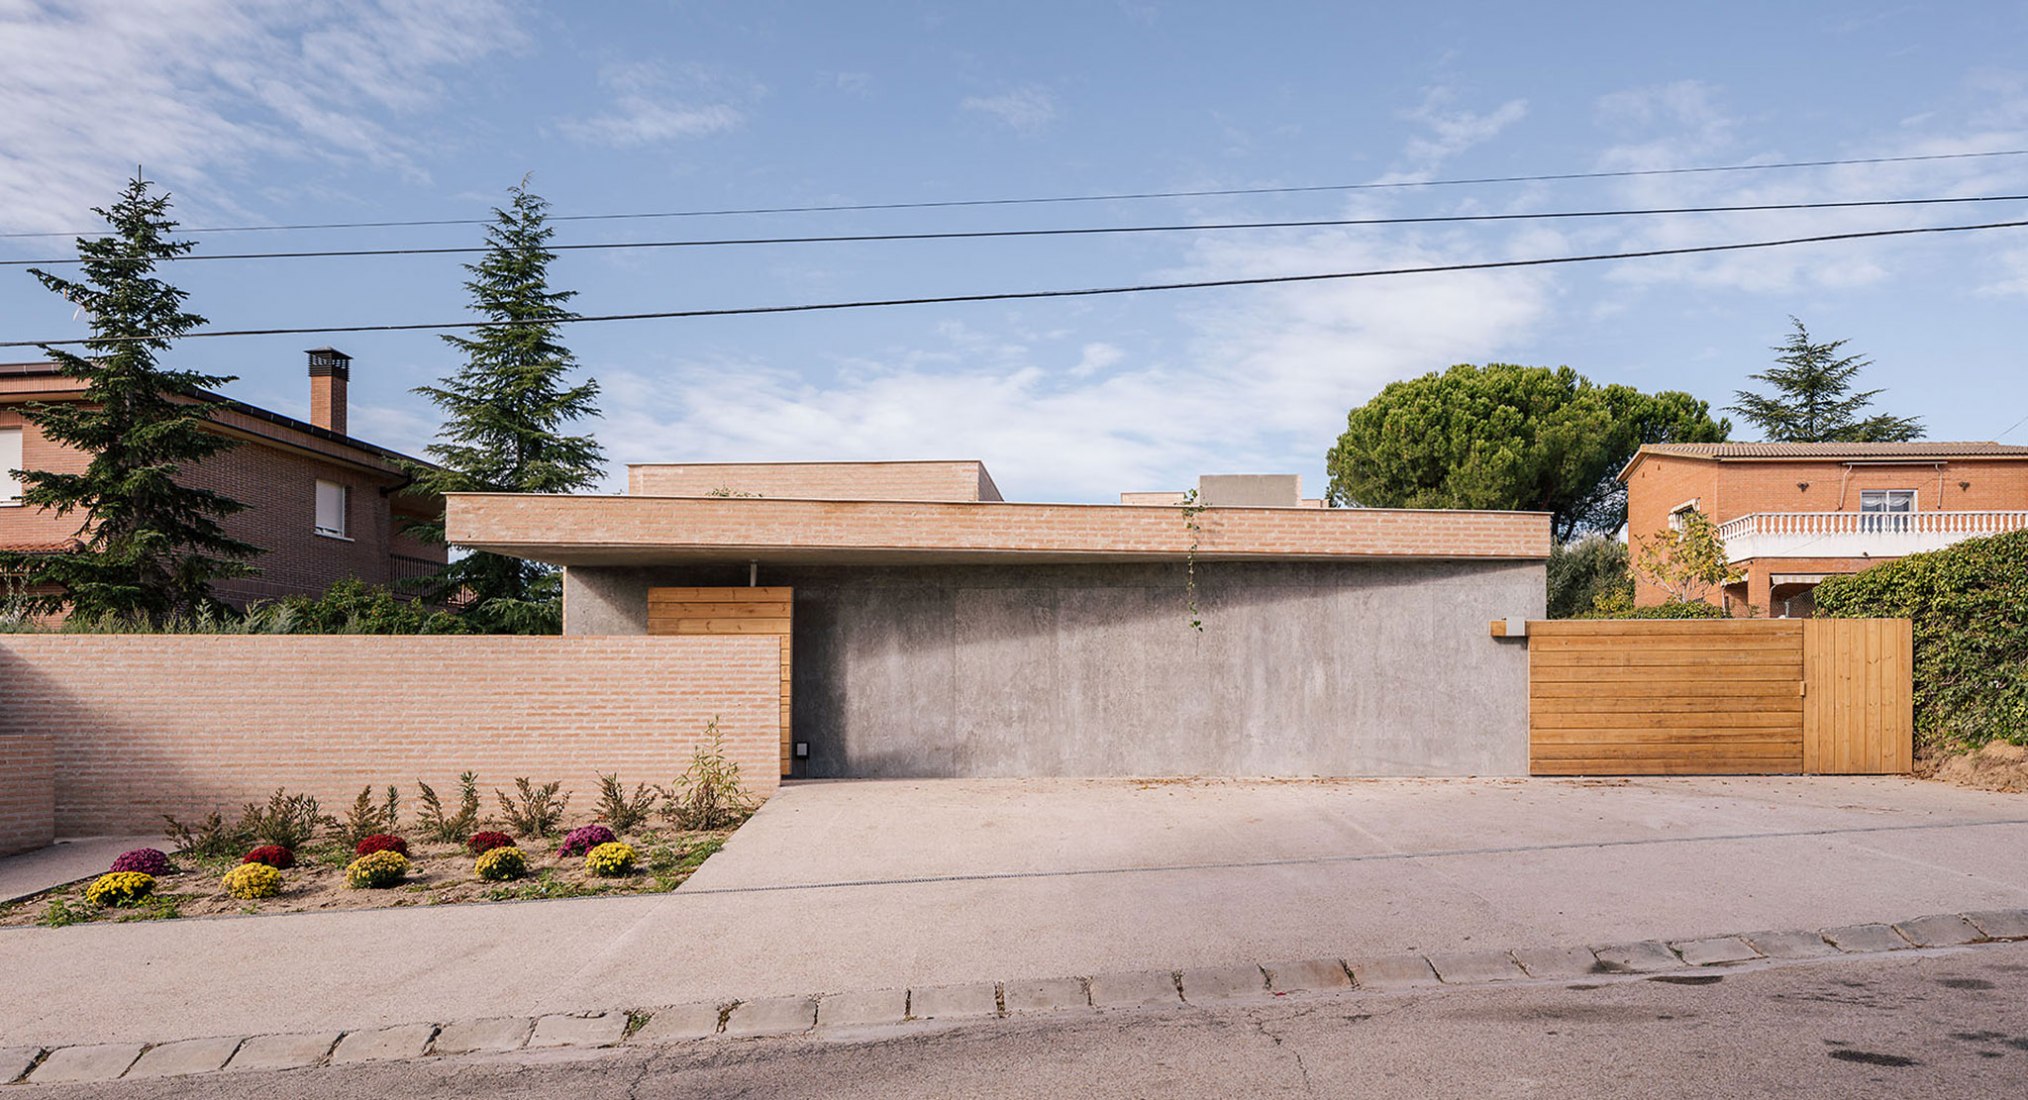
column 765, row 611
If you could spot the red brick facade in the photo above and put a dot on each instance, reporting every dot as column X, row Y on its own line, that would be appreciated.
column 142, row 725
column 586, row 529
column 274, row 472
column 1725, row 486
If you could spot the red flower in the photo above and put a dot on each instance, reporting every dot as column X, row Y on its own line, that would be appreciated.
column 381, row 842
column 274, row 855
column 482, row 843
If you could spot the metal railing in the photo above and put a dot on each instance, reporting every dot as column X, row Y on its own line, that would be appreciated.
column 403, row 571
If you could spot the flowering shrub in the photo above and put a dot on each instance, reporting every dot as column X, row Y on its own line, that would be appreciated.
column 501, row 864
column 381, row 842
column 377, row 871
column 585, row 838
column 120, row 888
column 481, row 843
column 147, row 861
column 253, row 880
column 274, row 855
column 610, row 860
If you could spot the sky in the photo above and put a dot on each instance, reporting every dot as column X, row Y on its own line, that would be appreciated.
column 289, row 112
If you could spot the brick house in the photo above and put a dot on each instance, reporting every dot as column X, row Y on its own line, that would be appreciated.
column 930, row 627
column 323, row 505
column 1791, row 514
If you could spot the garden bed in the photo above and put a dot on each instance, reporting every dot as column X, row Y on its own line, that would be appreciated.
column 439, row 874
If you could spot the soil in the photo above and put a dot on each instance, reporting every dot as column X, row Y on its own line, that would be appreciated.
column 439, row 874
column 1998, row 766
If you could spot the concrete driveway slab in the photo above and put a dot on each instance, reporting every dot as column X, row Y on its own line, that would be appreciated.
column 1472, row 967
column 862, row 1008
column 1793, row 944
column 1866, row 937
column 954, row 1002
column 483, row 1036
column 2001, row 924
column 1716, row 951
column 679, row 1024
column 1393, row 972
column 900, row 884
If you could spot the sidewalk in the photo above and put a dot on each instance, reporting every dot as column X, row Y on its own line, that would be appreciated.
column 866, row 886
column 65, row 861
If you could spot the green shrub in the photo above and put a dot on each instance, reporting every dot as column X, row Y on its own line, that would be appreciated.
column 377, row 871
column 1673, row 609
column 290, row 820
column 501, row 864
column 709, row 794
column 1969, row 606
column 534, row 811
column 252, row 880
column 120, row 888
column 213, row 836
column 442, row 826
column 368, row 818
column 609, row 860
column 625, row 812
column 1584, row 572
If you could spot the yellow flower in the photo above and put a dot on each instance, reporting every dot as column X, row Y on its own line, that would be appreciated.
column 610, row 860
column 252, row 880
column 120, row 888
column 377, row 871
column 501, row 864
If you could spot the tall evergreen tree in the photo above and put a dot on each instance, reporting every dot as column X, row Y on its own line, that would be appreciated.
column 151, row 545
column 506, row 410
column 1813, row 400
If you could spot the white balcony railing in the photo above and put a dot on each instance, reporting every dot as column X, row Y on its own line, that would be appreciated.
column 1857, row 534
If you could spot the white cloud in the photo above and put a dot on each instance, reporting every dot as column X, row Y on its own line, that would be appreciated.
column 652, row 106
column 1684, row 124
column 197, row 88
column 1026, row 109
column 1450, row 130
column 1263, row 383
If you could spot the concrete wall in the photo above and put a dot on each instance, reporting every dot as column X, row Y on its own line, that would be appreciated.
column 27, row 790
column 1368, row 668
column 143, row 725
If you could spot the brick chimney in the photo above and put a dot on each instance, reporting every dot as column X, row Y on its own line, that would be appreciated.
column 330, row 371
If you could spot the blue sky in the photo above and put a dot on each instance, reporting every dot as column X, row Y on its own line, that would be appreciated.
column 291, row 112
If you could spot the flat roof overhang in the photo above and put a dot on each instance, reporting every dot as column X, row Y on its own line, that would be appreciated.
column 635, row 530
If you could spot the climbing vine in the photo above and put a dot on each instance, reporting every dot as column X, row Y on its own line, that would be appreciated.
column 1192, row 508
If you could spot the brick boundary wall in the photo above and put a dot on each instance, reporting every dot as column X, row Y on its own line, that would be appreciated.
column 142, row 725
column 27, row 787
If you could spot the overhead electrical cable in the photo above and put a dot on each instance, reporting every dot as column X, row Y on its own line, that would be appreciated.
column 1076, row 231
column 1029, row 295
column 1123, row 196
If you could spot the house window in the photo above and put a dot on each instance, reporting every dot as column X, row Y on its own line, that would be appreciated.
column 1679, row 516
column 10, row 461
column 333, row 500
column 1886, row 509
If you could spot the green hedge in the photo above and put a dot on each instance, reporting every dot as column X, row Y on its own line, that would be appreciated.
column 1969, row 604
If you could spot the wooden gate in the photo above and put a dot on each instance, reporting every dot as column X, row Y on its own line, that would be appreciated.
column 1719, row 697
column 730, row 611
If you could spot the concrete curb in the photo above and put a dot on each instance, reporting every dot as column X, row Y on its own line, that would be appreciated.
column 857, row 1011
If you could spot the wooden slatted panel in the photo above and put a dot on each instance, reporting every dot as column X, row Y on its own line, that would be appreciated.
column 1859, row 715
column 730, row 611
column 1663, row 697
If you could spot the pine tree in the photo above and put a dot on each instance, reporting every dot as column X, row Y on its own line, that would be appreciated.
column 150, row 545
column 1813, row 400
column 505, row 413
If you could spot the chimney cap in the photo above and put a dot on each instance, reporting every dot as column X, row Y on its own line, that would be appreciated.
column 329, row 361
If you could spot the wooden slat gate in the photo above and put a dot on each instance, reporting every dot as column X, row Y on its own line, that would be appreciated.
column 1719, row 697
column 746, row 611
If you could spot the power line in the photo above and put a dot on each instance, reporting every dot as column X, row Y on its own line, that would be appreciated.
column 1025, row 295
column 979, row 234
column 1123, row 196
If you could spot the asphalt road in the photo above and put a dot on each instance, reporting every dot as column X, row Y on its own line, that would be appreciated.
column 1907, row 1026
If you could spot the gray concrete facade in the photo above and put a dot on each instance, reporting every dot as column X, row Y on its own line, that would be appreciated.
column 1302, row 669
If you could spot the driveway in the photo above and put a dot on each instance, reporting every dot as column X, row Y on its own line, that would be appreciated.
column 867, row 885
